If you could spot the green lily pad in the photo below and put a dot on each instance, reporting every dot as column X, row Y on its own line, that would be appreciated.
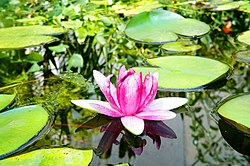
column 6, row 100
column 186, row 73
column 20, row 127
column 244, row 37
column 56, row 156
column 245, row 8
column 236, row 111
column 230, row 6
column 161, row 26
column 179, row 47
column 242, row 56
column 27, row 36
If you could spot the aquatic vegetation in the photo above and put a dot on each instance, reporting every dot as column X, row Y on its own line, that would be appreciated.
column 132, row 99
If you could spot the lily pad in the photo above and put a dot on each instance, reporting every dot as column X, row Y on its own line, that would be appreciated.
column 56, row 156
column 186, row 73
column 242, row 56
column 229, row 6
column 236, row 111
column 161, row 26
column 179, row 47
column 245, row 8
column 6, row 100
column 244, row 37
column 27, row 36
column 20, row 127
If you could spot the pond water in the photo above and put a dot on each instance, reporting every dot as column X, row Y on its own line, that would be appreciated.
column 205, row 59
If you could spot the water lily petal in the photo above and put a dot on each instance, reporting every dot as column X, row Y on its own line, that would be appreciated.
column 167, row 103
column 107, row 88
column 156, row 115
column 129, row 94
column 133, row 124
column 100, row 106
column 123, row 74
column 149, row 89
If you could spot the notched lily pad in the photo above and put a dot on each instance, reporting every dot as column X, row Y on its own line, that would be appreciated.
column 20, row 127
column 244, row 37
column 5, row 100
column 242, row 56
column 179, row 47
column 161, row 26
column 56, row 156
column 236, row 111
column 27, row 36
column 187, row 73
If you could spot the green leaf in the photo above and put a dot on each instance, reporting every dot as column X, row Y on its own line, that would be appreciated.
column 34, row 57
column 6, row 100
column 20, row 127
column 235, row 110
column 59, row 48
column 34, row 68
column 75, row 60
column 161, row 26
column 72, row 24
column 230, row 6
column 27, row 36
column 56, row 156
column 242, row 56
column 179, row 47
column 245, row 8
column 185, row 73
column 244, row 37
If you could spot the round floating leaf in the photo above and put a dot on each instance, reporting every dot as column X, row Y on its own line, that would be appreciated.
column 242, row 56
column 6, row 100
column 161, row 26
column 245, row 8
column 56, row 156
column 27, row 36
column 230, row 6
column 186, row 73
column 236, row 111
column 20, row 127
column 245, row 37
column 179, row 47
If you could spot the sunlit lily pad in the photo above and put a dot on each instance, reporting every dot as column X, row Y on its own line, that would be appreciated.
column 5, row 100
column 186, row 73
column 161, row 26
column 245, row 37
column 236, row 111
column 20, row 127
column 179, row 47
column 242, row 56
column 56, row 156
column 229, row 6
column 245, row 8
column 27, row 36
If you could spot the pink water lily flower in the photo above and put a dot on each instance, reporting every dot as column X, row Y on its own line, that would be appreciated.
column 132, row 99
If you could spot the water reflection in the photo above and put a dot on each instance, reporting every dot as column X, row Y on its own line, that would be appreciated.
column 130, row 143
column 235, row 138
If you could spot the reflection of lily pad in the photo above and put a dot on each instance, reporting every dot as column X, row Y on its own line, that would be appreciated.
column 27, row 36
column 56, row 156
column 6, row 100
column 161, row 26
column 179, row 47
column 20, row 127
column 236, row 111
column 185, row 73
column 242, row 56
column 235, row 138
column 245, row 37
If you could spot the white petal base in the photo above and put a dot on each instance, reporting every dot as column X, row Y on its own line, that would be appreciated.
column 133, row 124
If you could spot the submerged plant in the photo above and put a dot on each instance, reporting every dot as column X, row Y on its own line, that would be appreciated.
column 132, row 100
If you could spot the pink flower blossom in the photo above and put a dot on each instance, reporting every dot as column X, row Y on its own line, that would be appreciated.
column 132, row 99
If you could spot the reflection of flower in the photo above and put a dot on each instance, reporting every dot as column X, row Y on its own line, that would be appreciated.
column 132, row 143
column 132, row 100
